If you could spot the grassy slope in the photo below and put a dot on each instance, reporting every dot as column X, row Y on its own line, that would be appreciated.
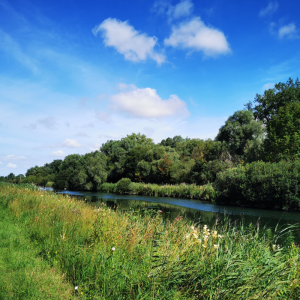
column 113, row 255
column 23, row 275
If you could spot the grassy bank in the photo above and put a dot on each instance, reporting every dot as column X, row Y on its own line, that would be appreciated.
column 114, row 255
column 23, row 274
column 192, row 191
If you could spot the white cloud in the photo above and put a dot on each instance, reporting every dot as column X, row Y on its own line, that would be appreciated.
column 269, row 10
column 135, row 46
column 182, row 9
column 10, row 165
column 268, row 86
column 14, row 157
column 146, row 103
column 1, row 163
column 59, row 153
column 288, row 31
column 195, row 35
column 71, row 143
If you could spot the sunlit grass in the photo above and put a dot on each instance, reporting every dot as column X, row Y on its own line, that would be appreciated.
column 191, row 191
column 109, row 254
column 23, row 274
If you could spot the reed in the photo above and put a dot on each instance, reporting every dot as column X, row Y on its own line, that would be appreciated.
column 109, row 254
column 191, row 191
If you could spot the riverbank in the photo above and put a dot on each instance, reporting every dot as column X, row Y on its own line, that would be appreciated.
column 108, row 254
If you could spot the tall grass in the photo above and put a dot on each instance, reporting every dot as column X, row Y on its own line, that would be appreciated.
column 133, row 255
column 192, row 191
column 23, row 274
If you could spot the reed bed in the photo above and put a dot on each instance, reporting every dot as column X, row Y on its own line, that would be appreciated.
column 107, row 254
column 191, row 191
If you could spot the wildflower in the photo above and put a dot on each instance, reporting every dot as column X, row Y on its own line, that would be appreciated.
column 216, row 246
column 220, row 236
column 187, row 236
column 295, row 264
column 192, row 227
column 160, row 211
column 113, row 248
column 76, row 288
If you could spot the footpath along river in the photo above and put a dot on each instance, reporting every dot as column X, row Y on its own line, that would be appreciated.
column 195, row 210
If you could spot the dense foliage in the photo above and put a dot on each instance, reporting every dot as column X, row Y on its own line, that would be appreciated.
column 261, row 184
column 268, row 130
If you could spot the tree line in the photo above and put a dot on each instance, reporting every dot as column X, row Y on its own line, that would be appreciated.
column 267, row 131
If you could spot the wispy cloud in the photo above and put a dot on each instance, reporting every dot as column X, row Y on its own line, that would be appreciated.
column 103, row 116
column 12, row 48
column 269, row 10
column 68, row 143
column 14, row 157
column 135, row 46
column 58, row 153
column 47, row 122
column 288, row 31
column 71, row 143
column 145, row 103
column 10, row 165
column 195, row 35
column 182, row 9
column 81, row 134
column 268, row 86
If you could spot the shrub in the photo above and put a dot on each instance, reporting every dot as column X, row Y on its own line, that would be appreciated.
column 123, row 186
column 261, row 184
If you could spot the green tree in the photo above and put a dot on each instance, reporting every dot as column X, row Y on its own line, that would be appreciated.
column 283, row 139
column 266, row 106
column 240, row 129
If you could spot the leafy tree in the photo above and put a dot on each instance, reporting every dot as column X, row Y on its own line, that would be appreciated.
column 283, row 139
column 239, row 129
column 141, row 139
column 266, row 106
column 171, row 142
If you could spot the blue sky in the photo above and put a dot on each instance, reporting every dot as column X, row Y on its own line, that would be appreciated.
column 74, row 74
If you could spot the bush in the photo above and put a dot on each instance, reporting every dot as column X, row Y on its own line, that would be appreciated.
column 261, row 184
column 123, row 186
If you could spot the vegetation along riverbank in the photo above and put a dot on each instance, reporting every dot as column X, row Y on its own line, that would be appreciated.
column 107, row 254
column 254, row 160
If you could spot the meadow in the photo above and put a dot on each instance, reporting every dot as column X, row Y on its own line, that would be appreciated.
column 108, row 254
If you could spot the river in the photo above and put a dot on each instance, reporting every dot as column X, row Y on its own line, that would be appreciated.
column 195, row 210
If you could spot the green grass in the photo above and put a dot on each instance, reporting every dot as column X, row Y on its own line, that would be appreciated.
column 24, row 275
column 191, row 191
column 138, row 255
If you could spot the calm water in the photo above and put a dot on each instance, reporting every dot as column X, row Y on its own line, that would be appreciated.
column 195, row 210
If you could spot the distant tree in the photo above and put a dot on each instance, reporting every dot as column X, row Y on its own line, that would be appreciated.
column 11, row 177
column 171, row 142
